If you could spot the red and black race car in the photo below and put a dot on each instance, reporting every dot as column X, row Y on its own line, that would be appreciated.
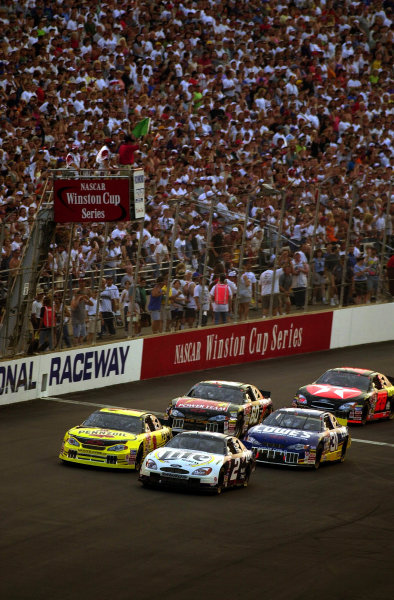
column 227, row 407
column 362, row 394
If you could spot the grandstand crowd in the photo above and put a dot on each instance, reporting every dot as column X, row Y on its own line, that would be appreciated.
column 297, row 95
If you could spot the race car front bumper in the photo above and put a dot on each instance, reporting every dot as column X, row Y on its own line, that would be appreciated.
column 173, row 480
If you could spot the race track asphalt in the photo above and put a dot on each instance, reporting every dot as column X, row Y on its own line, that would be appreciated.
column 72, row 533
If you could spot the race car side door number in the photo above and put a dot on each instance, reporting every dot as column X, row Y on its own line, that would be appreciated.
column 333, row 441
column 236, row 464
column 254, row 415
column 381, row 401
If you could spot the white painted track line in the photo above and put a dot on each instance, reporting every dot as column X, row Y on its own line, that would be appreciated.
column 373, row 443
column 53, row 399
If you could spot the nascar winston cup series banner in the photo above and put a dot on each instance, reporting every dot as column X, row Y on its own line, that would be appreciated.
column 208, row 348
column 86, row 200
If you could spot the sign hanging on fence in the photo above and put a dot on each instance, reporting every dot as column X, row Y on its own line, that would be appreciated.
column 139, row 193
column 91, row 200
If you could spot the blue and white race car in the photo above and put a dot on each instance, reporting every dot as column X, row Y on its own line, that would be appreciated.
column 299, row 437
column 199, row 460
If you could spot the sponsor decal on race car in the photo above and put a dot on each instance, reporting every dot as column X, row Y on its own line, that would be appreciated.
column 202, row 405
column 104, row 433
column 188, row 456
column 335, row 392
column 282, row 431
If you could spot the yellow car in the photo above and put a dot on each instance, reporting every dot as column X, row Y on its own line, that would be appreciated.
column 113, row 437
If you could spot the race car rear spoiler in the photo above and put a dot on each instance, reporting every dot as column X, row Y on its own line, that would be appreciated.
column 265, row 393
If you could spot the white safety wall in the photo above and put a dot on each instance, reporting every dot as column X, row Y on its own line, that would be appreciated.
column 70, row 371
column 362, row 325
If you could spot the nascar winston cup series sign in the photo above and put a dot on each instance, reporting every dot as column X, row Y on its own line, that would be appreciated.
column 207, row 348
column 85, row 200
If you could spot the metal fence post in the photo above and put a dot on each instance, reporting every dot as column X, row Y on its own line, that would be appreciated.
column 205, row 269
column 348, row 234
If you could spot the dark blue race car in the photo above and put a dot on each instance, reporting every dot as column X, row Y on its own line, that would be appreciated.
column 299, row 437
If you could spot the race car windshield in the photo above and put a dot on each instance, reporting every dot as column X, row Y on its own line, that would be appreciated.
column 345, row 379
column 112, row 421
column 292, row 421
column 198, row 442
column 222, row 393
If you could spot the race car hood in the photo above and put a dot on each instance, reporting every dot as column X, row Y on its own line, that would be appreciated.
column 103, row 434
column 262, row 434
column 198, row 408
column 185, row 458
column 336, row 394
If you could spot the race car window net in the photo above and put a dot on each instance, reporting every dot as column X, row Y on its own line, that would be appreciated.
column 291, row 421
column 345, row 379
column 214, row 392
column 198, row 442
column 112, row 421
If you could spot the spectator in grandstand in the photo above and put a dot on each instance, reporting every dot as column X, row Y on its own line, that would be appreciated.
column 47, row 325
column 203, row 299
column 360, row 279
column 36, row 310
column 79, row 302
column 177, row 300
column 62, row 320
column 269, row 285
column 300, row 273
column 154, row 306
column 318, row 278
column 126, row 151
column 124, row 301
column 221, row 300
column 94, row 317
column 372, row 262
column 286, row 288
column 244, row 293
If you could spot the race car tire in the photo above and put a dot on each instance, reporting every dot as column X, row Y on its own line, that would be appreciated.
column 364, row 415
column 390, row 405
column 245, row 482
column 239, row 428
column 220, row 484
column 319, row 452
column 139, row 458
column 145, row 483
column 344, row 450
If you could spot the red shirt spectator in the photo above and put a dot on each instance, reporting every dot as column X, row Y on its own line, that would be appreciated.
column 126, row 151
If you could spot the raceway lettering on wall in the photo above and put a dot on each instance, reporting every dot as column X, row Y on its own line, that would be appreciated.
column 17, row 376
column 212, row 347
column 88, row 365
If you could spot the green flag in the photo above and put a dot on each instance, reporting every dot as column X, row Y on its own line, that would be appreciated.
column 141, row 128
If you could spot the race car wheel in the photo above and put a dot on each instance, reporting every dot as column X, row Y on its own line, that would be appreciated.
column 245, row 482
column 364, row 415
column 139, row 458
column 220, row 485
column 389, row 405
column 319, row 452
column 344, row 449
column 239, row 428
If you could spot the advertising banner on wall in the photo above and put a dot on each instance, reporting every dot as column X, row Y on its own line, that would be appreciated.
column 208, row 348
column 90, row 200
column 68, row 371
